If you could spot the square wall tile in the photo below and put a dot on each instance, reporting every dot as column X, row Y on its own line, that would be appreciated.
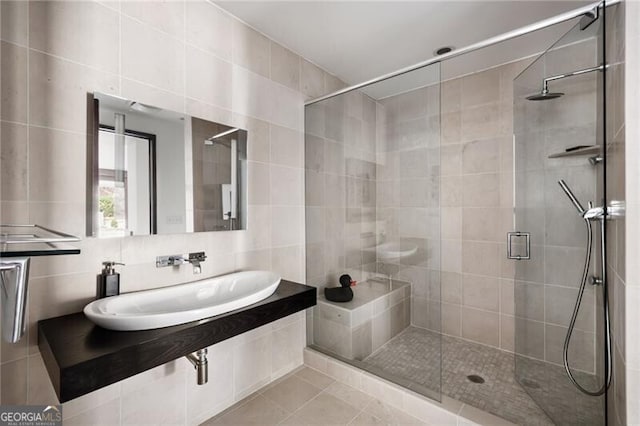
column 14, row 169
column 285, row 66
column 14, row 382
column 141, row 406
column 481, row 326
column 50, row 154
column 288, row 262
column 252, row 94
column 166, row 16
column 85, row 32
column 208, row 27
column 286, row 147
column 13, row 93
column 251, row 49
column 254, row 369
column 14, row 16
column 50, row 87
column 109, row 413
column 214, row 85
column 481, row 292
column 311, row 79
column 152, row 57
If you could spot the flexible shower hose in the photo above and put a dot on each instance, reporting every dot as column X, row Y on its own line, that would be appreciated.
column 576, row 309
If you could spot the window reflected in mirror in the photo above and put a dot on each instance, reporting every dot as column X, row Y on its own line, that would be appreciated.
column 154, row 171
column 122, row 195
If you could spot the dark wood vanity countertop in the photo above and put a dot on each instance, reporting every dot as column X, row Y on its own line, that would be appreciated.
column 82, row 357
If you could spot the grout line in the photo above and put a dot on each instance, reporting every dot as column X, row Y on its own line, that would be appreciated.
column 15, row 123
column 184, row 58
column 231, row 62
column 120, row 77
column 28, row 122
column 72, row 61
column 119, row 49
column 15, row 43
column 157, row 29
column 55, row 129
column 233, row 17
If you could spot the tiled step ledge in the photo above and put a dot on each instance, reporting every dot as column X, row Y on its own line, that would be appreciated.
column 449, row 412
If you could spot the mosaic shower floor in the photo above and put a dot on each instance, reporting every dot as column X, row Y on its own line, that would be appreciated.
column 414, row 356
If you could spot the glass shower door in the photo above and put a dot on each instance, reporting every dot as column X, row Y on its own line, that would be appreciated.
column 372, row 211
column 558, row 137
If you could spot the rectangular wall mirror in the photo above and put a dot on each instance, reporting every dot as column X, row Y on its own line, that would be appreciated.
column 154, row 171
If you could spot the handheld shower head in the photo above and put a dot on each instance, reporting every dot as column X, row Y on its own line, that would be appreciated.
column 572, row 197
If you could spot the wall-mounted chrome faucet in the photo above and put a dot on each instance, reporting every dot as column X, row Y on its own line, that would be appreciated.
column 195, row 259
column 178, row 259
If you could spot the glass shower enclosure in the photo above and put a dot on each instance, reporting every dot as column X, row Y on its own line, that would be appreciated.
column 372, row 159
column 558, row 153
column 375, row 191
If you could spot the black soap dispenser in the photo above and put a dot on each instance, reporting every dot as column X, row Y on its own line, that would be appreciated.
column 108, row 280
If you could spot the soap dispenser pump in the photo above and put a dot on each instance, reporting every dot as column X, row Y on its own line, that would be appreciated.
column 108, row 280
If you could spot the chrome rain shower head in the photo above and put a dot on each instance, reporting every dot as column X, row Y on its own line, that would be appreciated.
column 545, row 95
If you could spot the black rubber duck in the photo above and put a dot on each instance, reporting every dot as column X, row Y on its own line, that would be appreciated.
column 340, row 294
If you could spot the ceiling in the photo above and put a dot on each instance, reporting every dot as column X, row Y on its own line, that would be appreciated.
column 360, row 40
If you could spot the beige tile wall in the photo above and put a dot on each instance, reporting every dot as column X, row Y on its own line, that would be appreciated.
column 477, row 200
column 615, row 193
column 547, row 285
column 409, row 196
column 476, row 175
column 191, row 57
column 340, row 188
column 473, row 164
column 631, row 244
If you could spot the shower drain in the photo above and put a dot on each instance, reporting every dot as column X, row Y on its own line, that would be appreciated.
column 475, row 378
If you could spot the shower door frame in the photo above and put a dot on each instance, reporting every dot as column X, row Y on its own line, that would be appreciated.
column 599, row 259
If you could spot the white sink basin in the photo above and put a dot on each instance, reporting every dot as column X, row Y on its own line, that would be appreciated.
column 395, row 249
column 179, row 304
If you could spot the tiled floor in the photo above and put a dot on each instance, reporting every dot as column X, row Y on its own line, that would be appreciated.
column 307, row 397
column 551, row 388
column 414, row 356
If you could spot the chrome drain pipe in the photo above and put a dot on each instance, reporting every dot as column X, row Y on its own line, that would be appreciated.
column 199, row 361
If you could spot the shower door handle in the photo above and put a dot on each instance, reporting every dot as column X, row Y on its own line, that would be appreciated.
column 527, row 245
